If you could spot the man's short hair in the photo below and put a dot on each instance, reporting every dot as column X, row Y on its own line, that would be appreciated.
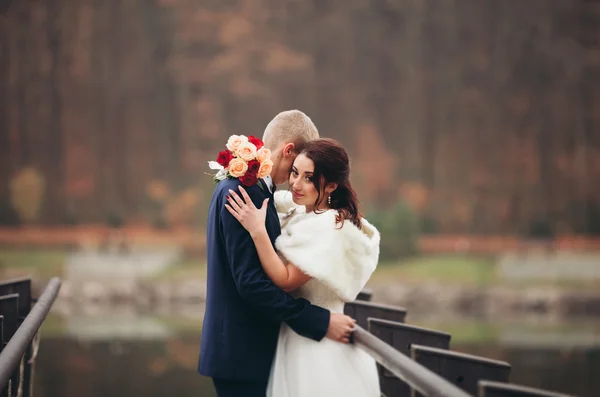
column 290, row 126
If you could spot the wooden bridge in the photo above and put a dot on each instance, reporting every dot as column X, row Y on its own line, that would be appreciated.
column 412, row 361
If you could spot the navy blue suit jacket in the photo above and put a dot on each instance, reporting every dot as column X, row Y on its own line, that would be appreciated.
column 244, row 309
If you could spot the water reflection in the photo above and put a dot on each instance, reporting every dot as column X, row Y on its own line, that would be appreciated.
column 152, row 356
column 567, row 370
column 67, row 367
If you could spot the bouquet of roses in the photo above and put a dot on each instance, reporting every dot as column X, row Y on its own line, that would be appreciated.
column 246, row 158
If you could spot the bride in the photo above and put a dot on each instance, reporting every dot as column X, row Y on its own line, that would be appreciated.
column 326, row 253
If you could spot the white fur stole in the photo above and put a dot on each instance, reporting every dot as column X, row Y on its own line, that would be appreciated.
column 342, row 258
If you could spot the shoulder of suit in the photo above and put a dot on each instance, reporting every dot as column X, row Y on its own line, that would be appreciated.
column 222, row 187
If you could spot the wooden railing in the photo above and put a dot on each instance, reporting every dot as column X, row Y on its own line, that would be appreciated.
column 416, row 376
column 412, row 361
column 19, row 325
column 415, row 361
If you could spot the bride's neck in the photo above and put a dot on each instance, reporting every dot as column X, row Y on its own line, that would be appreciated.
column 322, row 207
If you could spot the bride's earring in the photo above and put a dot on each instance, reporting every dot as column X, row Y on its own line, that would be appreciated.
column 329, row 200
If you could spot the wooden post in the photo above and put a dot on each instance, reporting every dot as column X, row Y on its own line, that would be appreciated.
column 361, row 311
column 463, row 370
column 401, row 336
column 498, row 389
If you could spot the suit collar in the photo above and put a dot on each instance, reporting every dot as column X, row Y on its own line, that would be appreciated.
column 264, row 186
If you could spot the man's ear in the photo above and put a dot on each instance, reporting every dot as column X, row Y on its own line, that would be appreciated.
column 288, row 149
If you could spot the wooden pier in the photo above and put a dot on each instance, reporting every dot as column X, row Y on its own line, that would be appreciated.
column 414, row 361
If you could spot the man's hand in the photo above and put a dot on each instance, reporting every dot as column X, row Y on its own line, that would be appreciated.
column 340, row 327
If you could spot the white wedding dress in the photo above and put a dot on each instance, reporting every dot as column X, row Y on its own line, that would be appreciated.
column 340, row 262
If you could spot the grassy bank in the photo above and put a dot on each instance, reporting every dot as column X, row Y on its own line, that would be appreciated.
column 459, row 269
column 467, row 270
column 446, row 268
column 43, row 263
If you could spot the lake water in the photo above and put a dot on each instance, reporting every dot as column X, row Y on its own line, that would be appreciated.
column 156, row 356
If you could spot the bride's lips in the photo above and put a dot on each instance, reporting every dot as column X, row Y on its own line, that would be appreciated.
column 296, row 194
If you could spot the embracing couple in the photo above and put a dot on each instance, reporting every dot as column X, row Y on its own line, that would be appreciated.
column 281, row 265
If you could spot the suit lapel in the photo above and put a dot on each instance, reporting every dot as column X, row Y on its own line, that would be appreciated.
column 263, row 186
column 272, row 221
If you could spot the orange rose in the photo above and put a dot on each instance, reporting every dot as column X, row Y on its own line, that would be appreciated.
column 263, row 155
column 246, row 151
column 265, row 168
column 234, row 142
column 237, row 167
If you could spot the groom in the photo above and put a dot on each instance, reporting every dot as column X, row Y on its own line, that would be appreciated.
column 244, row 309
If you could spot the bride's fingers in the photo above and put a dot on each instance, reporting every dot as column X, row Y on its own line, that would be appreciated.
column 237, row 198
column 247, row 198
column 264, row 204
column 232, row 212
column 233, row 203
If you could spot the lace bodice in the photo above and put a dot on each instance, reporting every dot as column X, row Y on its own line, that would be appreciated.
column 319, row 294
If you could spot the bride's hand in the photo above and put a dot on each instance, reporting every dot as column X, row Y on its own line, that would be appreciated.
column 244, row 210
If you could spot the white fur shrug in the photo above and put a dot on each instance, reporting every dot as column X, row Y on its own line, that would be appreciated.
column 341, row 258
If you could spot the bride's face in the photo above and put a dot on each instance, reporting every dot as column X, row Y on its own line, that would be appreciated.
column 301, row 182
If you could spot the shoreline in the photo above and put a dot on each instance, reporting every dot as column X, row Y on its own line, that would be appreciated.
column 427, row 298
column 188, row 238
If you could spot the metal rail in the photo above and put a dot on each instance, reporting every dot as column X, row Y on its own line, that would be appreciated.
column 415, row 375
column 11, row 355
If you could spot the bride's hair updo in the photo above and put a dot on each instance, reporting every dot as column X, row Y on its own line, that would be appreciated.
column 332, row 165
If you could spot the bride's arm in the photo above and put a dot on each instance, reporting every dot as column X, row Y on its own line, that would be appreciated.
column 286, row 276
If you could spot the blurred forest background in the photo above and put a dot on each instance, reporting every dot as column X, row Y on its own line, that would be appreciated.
column 461, row 117
column 473, row 128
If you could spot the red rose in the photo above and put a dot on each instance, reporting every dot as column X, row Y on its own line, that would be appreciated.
column 224, row 158
column 253, row 166
column 256, row 142
column 249, row 179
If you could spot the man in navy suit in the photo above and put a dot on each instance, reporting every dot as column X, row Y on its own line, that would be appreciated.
column 244, row 309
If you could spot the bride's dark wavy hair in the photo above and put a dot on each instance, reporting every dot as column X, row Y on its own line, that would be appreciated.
column 332, row 165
